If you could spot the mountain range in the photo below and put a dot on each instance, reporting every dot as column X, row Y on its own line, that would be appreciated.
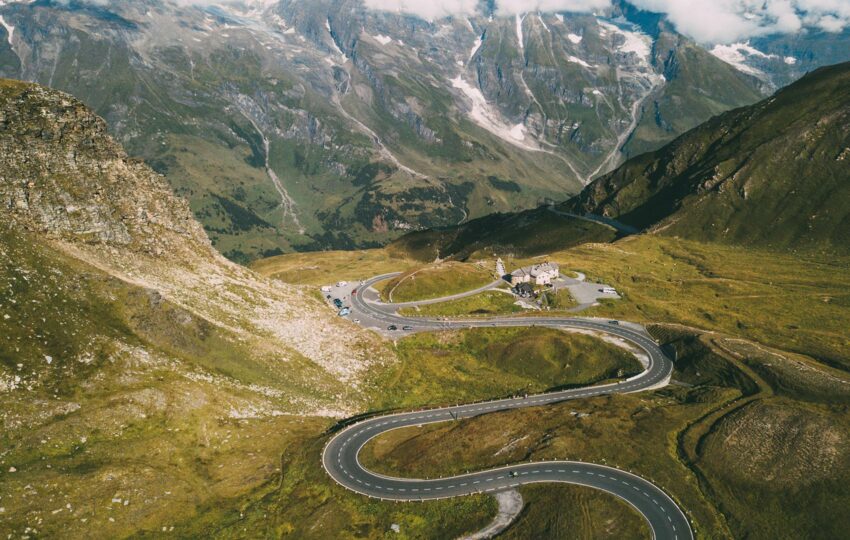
column 772, row 175
column 312, row 125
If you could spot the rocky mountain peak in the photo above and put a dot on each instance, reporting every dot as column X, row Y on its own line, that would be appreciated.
column 61, row 173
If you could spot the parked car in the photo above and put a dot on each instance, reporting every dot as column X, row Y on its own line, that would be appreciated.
column 392, row 327
column 615, row 323
column 344, row 312
column 338, row 302
column 407, row 328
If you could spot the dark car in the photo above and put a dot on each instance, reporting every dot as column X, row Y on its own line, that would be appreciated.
column 337, row 302
column 408, row 328
column 392, row 327
column 615, row 323
column 512, row 474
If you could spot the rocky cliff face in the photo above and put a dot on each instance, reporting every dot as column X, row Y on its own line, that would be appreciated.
column 62, row 174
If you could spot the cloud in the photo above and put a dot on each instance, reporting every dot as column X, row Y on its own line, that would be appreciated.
column 707, row 21
column 427, row 9
column 512, row 7
column 726, row 21
column 437, row 9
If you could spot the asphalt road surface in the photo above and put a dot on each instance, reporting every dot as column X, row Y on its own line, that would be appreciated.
column 340, row 455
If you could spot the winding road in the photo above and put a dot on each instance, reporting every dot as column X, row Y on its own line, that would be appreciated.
column 340, row 456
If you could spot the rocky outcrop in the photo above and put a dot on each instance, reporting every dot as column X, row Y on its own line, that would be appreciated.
column 61, row 173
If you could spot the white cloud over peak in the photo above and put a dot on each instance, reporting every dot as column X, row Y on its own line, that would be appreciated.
column 427, row 9
column 514, row 7
column 707, row 21
column 437, row 9
column 727, row 21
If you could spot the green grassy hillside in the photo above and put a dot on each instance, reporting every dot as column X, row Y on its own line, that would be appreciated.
column 534, row 232
column 774, row 174
column 743, row 460
column 436, row 281
column 486, row 363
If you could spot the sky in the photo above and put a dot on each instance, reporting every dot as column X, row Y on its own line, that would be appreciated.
column 707, row 21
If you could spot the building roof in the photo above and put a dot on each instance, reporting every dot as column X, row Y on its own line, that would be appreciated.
column 545, row 268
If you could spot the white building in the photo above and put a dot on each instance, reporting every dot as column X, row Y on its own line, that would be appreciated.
column 539, row 274
column 520, row 276
column 544, row 274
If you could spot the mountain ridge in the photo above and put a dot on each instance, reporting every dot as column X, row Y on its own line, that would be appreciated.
column 771, row 174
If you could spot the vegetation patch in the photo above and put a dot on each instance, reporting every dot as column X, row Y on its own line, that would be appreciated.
column 567, row 511
column 778, row 300
column 487, row 303
column 436, row 281
column 326, row 267
column 718, row 440
column 482, row 363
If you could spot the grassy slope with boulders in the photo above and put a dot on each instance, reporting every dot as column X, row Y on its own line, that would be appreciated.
column 774, row 174
column 133, row 400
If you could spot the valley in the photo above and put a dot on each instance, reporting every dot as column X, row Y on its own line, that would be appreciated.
column 290, row 128
column 379, row 269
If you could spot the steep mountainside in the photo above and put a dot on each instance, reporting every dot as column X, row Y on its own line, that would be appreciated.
column 775, row 174
column 308, row 125
column 84, row 223
column 143, row 377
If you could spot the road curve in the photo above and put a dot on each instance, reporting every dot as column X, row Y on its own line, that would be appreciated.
column 340, row 455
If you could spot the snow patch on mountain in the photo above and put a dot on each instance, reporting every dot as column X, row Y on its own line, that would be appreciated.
column 579, row 61
column 383, row 40
column 574, row 38
column 737, row 54
column 545, row 26
column 333, row 41
column 486, row 116
column 10, row 30
column 478, row 41
column 635, row 42
column 519, row 37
